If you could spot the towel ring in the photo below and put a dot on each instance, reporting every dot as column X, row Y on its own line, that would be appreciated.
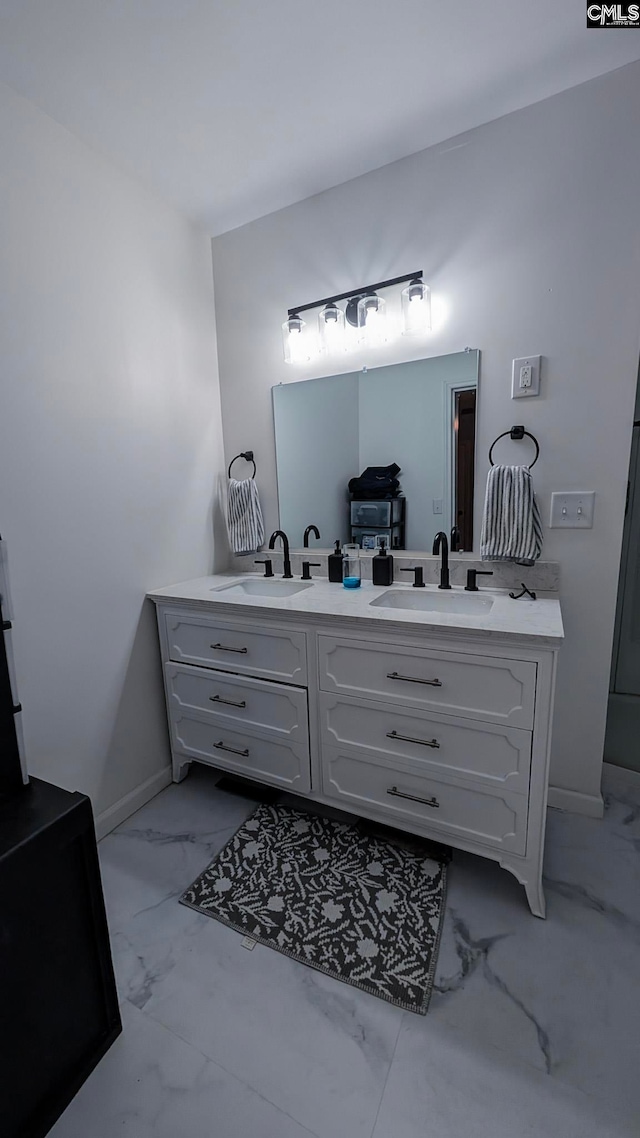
column 516, row 433
column 248, row 456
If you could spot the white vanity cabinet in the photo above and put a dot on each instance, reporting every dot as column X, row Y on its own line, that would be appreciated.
column 237, row 646
column 427, row 730
column 222, row 712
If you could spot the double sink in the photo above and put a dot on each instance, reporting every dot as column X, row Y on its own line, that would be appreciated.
column 421, row 600
column 409, row 598
column 264, row 588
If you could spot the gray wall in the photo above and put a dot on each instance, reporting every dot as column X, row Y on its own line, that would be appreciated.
column 527, row 232
column 110, row 441
column 316, row 427
column 403, row 420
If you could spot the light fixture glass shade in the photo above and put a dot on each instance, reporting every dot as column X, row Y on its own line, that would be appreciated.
column 416, row 308
column 331, row 329
column 372, row 320
column 294, row 341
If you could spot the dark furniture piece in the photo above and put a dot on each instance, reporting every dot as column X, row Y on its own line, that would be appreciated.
column 58, row 1001
column 10, row 769
column 58, row 996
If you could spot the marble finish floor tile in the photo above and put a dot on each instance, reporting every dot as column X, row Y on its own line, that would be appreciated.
column 561, row 994
column 168, row 842
column 153, row 1085
column 318, row 1049
column 444, row 1084
column 147, row 863
column 532, row 1027
column 149, row 944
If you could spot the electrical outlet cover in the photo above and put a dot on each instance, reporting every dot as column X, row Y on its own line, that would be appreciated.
column 518, row 391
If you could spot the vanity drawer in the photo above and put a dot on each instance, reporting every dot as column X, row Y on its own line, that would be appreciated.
column 276, row 761
column 277, row 654
column 478, row 687
column 237, row 700
column 488, row 752
column 365, row 784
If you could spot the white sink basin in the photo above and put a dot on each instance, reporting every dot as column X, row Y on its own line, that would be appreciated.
column 263, row 588
column 425, row 601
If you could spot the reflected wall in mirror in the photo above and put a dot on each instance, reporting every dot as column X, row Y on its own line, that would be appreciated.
column 419, row 415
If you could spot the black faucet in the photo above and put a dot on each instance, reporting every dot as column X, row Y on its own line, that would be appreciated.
column 307, row 566
column 472, row 578
column 310, row 529
column 268, row 567
column 285, row 547
column 418, row 571
column 440, row 543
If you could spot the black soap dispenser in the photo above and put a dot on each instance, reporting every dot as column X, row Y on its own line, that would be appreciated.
column 334, row 561
column 382, row 566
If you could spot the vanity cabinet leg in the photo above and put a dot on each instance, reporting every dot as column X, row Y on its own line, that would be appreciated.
column 529, row 874
column 180, row 769
column 535, row 897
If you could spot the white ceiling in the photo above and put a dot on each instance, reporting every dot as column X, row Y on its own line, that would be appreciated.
column 234, row 108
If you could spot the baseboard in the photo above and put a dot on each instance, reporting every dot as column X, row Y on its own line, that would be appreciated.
column 125, row 807
column 574, row 802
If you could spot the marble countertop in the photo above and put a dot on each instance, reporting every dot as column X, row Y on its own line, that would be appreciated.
column 539, row 621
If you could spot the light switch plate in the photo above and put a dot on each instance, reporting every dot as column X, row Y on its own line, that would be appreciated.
column 525, row 377
column 572, row 509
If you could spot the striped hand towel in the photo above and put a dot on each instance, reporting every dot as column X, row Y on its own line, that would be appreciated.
column 511, row 526
column 244, row 516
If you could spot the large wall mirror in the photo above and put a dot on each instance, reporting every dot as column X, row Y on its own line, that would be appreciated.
column 419, row 415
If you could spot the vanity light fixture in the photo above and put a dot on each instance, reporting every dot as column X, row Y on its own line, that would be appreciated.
column 294, row 340
column 365, row 311
column 331, row 329
column 415, row 300
column 372, row 320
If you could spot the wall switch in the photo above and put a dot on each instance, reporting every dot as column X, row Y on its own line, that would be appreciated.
column 437, row 505
column 525, row 377
column 572, row 510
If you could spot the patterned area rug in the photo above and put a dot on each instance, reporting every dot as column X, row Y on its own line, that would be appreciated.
column 354, row 905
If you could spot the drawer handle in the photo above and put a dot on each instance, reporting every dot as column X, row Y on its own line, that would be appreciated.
column 409, row 739
column 231, row 702
column 414, row 680
column 228, row 648
column 234, row 750
column 414, row 798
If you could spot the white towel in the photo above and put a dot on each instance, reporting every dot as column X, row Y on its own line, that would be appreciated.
column 511, row 526
column 244, row 516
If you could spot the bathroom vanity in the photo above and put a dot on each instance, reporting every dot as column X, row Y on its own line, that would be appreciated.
column 426, row 712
